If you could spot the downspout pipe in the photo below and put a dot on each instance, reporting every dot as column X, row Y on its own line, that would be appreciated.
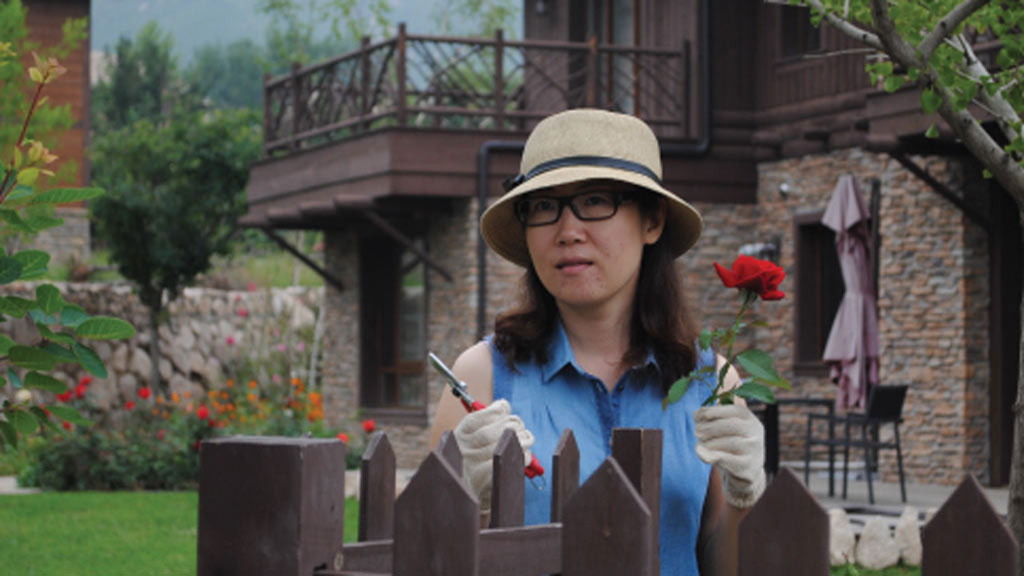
column 694, row 148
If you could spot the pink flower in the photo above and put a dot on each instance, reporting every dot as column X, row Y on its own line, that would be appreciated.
column 252, row 286
column 160, row 434
column 276, row 379
column 129, row 405
column 243, row 312
column 230, row 340
column 300, row 346
column 282, row 347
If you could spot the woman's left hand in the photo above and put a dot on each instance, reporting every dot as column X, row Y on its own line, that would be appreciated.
column 732, row 438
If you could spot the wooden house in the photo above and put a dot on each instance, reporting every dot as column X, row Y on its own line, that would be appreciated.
column 394, row 149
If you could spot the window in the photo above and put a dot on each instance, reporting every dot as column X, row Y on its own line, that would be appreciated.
column 392, row 330
column 799, row 36
column 819, row 290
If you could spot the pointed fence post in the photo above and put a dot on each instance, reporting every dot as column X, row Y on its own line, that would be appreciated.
column 786, row 533
column 967, row 537
column 638, row 452
column 377, row 490
column 436, row 524
column 270, row 506
column 448, row 449
column 606, row 527
column 507, row 485
column 565, row 473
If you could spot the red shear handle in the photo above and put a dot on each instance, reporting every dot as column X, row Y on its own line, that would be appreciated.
column 534, row 469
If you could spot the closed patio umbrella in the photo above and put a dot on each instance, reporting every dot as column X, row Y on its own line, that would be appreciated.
column 852, row 347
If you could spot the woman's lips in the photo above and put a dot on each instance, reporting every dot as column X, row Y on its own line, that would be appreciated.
column 572, row 265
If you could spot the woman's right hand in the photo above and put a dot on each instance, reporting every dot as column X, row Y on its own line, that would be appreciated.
column 477, row 435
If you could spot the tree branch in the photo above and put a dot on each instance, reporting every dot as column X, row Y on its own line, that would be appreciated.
column 947, row 25
column 846, row 27
column 893, row 43
column 996, row 104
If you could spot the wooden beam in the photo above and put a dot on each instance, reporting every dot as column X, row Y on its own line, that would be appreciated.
column 970, row 211
column 327, row 276
column 402, row 239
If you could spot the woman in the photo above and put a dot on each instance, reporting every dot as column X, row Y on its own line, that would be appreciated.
column 601, row 335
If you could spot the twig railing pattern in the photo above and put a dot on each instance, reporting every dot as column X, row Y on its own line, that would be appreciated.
column 474, row 84
column 275, row 507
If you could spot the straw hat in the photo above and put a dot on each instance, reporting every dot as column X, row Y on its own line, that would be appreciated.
column 585, row 144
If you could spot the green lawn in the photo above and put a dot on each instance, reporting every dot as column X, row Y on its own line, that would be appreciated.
column 106, row 533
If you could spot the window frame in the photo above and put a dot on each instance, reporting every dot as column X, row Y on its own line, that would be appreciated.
column 809, row 305
column 805, row 31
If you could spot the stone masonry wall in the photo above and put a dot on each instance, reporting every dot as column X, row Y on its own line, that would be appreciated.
column 932, row 302
column 68, row 242
column 205, row 330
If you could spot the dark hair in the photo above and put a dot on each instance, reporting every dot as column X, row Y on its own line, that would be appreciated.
column 661, row 319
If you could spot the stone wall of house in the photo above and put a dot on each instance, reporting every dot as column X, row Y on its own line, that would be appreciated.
column 932, row 302
column 69, row 242
column 205, row 331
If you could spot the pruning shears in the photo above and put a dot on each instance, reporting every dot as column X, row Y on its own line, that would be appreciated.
column 460, row 390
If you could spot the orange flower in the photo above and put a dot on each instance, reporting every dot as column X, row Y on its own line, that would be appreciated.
column 253, row 384
column 296, row 382
column 314, row 397
column 175, row 397
column 159, row 399
column 223, row 394
column 155, row 411
column 188, row 394
column 252, row 397
column 211, row 394
column 230, row 383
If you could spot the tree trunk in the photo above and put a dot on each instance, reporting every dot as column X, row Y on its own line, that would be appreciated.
column 154, row 350
column 1015, row 510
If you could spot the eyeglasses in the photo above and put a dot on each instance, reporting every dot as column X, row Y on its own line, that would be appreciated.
column 587, row 206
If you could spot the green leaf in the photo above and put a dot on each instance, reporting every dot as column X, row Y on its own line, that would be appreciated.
column 705, row 339
column 69, row 414
column 31, row 358
column 41, row 381
column 14, row 378
column 72, row 316
column 677, row 391
column 105, row 328
column 52, row 336
column 10, row 270
column 89, row 360
column 9, row 433
column 22, row 421
column 49, row 299
column 932, row 132
column 5, row 344
column 19, row 196
column 33, row 263
column 894, row 83
column 986, row 174
column 759, row 365
column 62, row 353
column 930, row 100
column 66, row 195
column 755, row 391
column 43, row 417
column 16, row 307
column 14, row 220
column 40, row 317
column 28, row 176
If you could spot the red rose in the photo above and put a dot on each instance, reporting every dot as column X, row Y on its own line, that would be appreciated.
column 144, row 393
column 369, row 426
column 160, row 434
column 65, row 396
column 85, row 380
column 129, row 405
column 759, row 276
column 80, row 391
column 343, row 437
column 195, row 446
column 66, row 425
column 203, row 413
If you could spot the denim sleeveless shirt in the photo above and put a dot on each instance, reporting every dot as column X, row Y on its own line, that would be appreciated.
column 559, row 394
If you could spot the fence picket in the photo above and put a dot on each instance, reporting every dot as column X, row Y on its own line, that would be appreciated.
column 448, row 449
column 507, row 486
column 377, row 490
column 606, row 527
column 565, row 473
column 436, row 523
column 786, row 533
column 638, row 452
column 966, row 537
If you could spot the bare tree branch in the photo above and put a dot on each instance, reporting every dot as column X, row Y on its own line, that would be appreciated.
column 947, row 25
column 834, row 53
column 846, row 27
column 890, row 38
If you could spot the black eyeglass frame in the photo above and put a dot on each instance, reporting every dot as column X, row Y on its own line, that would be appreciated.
column 618, row 199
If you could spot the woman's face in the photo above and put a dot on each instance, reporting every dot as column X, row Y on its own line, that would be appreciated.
column 591, row 263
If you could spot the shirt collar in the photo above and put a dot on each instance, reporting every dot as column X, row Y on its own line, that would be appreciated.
column 560, row 355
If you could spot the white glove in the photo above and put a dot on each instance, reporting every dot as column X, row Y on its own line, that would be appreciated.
column 477, row 435
column 732, row 438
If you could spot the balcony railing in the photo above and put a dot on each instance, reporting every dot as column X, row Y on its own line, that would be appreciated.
column 445, row 83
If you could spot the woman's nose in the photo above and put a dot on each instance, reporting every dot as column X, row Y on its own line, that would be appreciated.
column 570, row 228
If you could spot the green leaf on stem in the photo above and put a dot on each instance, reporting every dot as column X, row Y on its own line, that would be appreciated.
column 756, row 391
column 19, row 196
column 932, row 132
column 41, row 381
column 33, row 263
column 69, row 414
column 31, row 358
column 89, row 360
column 28, row 176
column 43, row 417
column 49, row 299
column 62, row 353
column 105, row 328
column 15, row 306
column 72, row 316
column 9, row 433
column 930, row 101
column 66, row 195
column 10, row 270
column 5, row 344
column 52, row 336
column 14, row 220
column 759, row 365
column 677, row 391
column 14, row 378
column 22, row 421
column 40, row 317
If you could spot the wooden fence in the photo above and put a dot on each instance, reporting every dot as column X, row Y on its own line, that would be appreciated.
column 275, row 506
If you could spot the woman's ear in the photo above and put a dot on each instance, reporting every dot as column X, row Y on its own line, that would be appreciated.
column 654, row 222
